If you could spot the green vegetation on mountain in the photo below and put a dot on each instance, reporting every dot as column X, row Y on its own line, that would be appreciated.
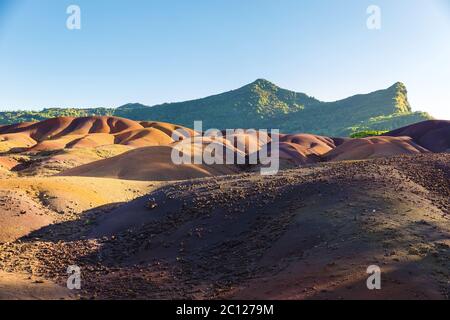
column 367, row 133
column 10, row 117
column 262, row 104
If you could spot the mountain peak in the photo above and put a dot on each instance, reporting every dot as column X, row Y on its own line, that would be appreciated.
column 398, row 86
column 401, row 98
column 263, row 84
column 262, row 81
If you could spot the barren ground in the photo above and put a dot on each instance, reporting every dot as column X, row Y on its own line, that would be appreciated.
column 307, row 233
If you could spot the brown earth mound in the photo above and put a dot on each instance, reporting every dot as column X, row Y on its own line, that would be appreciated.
column 86, row 132
column 48, row 163
column 8, row 163
column 89, row 134
column 169, row 128
column 144, row 138
column 27, row 204
column 300, row 149
column 63, row 126
column 150, row 163
column 15, row 141
column 310, row 144
column 248, row 142
column 374, row 147
column 304, row 149
column 433, row 135
column 296, row 154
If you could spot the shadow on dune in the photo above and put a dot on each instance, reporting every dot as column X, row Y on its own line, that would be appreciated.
column 214, row 238
column 422, row 273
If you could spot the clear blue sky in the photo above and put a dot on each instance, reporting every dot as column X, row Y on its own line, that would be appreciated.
column 154, row 51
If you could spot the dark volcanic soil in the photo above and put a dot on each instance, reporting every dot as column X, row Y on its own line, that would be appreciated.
column 308, row 233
